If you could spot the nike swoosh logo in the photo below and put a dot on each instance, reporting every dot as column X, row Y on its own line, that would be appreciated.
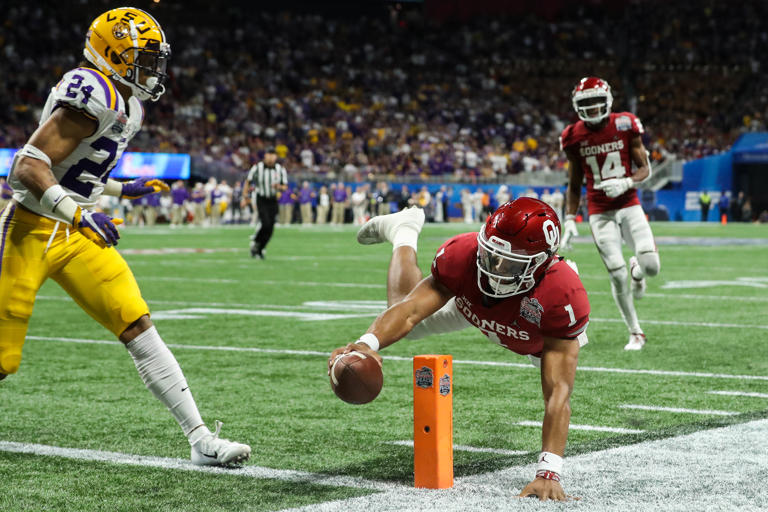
column 184, row 389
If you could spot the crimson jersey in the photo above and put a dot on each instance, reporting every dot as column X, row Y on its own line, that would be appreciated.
column 556, row 307
column 604, row 154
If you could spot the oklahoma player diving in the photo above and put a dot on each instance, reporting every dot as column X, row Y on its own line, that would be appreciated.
column 508, row 282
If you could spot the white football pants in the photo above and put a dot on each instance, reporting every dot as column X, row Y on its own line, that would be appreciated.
column 608, row 230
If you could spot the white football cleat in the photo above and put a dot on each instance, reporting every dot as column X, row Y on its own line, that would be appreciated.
column 636, row 341
column 638, row 285
column 383, row 227
column 212, row 450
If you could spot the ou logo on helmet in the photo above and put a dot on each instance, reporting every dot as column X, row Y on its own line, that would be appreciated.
column 551, row 234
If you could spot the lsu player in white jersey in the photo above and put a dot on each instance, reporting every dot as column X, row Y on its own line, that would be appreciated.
column 50, row 229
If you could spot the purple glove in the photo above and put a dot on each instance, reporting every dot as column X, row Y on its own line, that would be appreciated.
column 142, row 187
column 98, row 227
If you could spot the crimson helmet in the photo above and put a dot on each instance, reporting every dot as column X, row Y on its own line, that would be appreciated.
column 583, row 99
column 515, row 246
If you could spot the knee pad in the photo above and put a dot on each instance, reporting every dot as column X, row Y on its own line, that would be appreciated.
column 9, row 362
column 649, row 262
column 619, row 278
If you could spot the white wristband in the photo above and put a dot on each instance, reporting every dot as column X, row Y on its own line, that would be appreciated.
column 549, row 461
column 56, row 202
column 113, row 188
column 371, row 340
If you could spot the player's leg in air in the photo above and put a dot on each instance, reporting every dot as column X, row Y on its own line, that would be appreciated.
column 637, row 233
column 402, row 230
column 607, row 235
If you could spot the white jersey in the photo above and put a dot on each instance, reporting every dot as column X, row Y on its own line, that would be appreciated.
column 84, row 172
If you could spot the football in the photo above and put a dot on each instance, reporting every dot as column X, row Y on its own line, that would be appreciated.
column 356, row 378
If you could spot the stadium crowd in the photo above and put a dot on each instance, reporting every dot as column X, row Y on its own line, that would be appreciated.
column 398, row 94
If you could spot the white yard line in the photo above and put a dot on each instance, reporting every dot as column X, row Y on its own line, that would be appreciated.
column 526, row 366
column 186, row 465
column 258, row 281
column 694, row 296
column 585, row 427
column 678, row 474
column 464, row 448
column 706, row 412
column 372, row 312
column 739, row 393
column 686, row 324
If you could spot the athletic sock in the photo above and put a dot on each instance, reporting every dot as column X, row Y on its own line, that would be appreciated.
column 405, row 235
column 162, row 375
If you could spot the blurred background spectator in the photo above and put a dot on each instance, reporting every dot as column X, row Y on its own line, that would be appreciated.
column 355, row 91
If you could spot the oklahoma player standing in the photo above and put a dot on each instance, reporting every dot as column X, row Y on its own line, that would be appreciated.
column 603, row 146
column 508, row 282
column 49, row 229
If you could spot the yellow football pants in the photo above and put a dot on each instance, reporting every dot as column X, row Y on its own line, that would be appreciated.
column 34, row 248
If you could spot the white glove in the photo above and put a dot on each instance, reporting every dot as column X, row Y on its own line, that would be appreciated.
column 569, row 231
column 615, row 187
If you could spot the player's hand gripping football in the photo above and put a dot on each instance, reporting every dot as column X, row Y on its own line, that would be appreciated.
column 544, row 489
column 142, row 187
column 98, row 227
column 353, row 347
column 569, row 231
column 615, row 187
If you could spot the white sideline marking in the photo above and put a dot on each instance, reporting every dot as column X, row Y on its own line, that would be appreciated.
column 186, row 465
column 464, row 448
column 739, row 393
column 527, row 366
column 644, row 476
column 616, row 430
column 678, row 409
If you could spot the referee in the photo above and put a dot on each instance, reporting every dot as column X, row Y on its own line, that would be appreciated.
column 266, row 179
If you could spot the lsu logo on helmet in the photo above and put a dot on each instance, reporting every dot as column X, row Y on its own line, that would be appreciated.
column 128, row 45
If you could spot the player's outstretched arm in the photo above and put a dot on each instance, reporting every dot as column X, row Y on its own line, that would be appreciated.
column 558, row 372
column 397, row 321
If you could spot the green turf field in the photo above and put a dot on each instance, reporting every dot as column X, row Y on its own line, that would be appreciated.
column 253, row 336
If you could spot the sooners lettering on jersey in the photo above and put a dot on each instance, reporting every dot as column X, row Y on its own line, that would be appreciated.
column 604, row 154
column 556, row 307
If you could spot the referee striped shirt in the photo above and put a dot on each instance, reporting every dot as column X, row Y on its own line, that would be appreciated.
column 264, row 178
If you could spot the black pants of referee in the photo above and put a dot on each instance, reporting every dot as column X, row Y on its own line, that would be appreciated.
column 267, row 208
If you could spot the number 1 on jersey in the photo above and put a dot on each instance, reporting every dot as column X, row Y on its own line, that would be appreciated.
column 612, row 167
column 568, row 308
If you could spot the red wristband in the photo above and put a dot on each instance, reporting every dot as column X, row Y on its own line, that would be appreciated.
column 547, row 475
